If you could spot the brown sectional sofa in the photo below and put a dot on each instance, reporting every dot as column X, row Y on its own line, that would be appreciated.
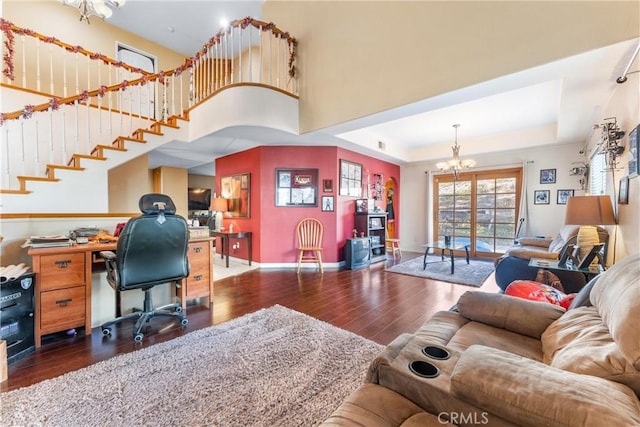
column 512, row 361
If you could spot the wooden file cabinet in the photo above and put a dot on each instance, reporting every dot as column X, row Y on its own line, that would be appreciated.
column 63, row 287
column 199, row 283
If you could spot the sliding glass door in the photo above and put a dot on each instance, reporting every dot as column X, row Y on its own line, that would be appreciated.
column 479, row 209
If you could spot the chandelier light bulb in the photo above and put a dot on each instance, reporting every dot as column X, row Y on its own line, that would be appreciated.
column 99, row 8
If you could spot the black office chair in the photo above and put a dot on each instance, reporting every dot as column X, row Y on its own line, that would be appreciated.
column 152, row 250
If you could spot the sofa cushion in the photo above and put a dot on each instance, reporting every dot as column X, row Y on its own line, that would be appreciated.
column 529, row 393
column 373, row 405
column 580, row 342
column 616, row 295
column 566, row 233
column 518, row 315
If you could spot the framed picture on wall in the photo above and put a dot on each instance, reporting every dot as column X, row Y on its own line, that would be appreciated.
column 541, row 197
column 327, row 203
column 623, row 192
column 563, row 195
column 634, row 152
column 237, row 190
column 296, row 187
column 327, row 185
column 547, row 176
column 350, row 178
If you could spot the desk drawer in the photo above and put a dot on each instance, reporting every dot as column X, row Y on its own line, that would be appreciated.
column 200, row 264
column 62, row 270
column 62, row 309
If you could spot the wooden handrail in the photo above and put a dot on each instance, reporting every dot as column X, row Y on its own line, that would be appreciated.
column 54, row 103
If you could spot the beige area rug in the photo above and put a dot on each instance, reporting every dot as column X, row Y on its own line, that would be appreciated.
column 274, row 367
column 472, row 274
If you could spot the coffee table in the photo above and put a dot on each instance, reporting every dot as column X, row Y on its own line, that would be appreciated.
column 444, row 247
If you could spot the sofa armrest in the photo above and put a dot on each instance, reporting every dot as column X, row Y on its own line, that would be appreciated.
column 528, row 254
column 535, row 241
column 514, row 314
column 527, row 392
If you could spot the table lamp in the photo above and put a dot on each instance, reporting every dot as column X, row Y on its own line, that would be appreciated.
column 219, row 205
column 589, row 212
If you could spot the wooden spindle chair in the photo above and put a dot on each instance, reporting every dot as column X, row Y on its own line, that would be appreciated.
column 309, row 232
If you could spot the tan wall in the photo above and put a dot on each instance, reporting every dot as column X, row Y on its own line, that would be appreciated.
column 173, row 182
column 127, row 183
column 356, row 58
column 51, row 18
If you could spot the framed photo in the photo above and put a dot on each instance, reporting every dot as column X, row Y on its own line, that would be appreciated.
column 350, row 179
column 541, row 197
column 593, row 252
column 327, row 185
column 563, row 195
column 237, row 190
column 623, row 192
column 547, row 176
column 362, row 206
column 634, row 152
column 327, row 203
column 296, row 187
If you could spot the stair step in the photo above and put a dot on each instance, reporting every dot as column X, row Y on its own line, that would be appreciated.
column 15, row 192
column 99, row 149
column 75, row 160
column 51, row 169
column 120, row 141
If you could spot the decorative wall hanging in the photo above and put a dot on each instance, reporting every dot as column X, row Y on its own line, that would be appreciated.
column 237, row 190
column 350, row 179
column 296, row 187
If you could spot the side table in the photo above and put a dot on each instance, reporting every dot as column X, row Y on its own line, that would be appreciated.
column 553, row 264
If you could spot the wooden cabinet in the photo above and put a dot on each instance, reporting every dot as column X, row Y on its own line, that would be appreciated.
column 63, row 287
column 199, row 283
column 374, row 226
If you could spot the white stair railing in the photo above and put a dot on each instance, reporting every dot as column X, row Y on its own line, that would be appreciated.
column 51, row 132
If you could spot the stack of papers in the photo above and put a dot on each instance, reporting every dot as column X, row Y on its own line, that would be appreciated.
column 49, row 241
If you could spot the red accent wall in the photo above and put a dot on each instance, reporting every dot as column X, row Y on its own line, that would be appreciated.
column 273, row 228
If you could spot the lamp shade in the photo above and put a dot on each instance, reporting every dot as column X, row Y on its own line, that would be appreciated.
column 219, row 204
column 589, row 210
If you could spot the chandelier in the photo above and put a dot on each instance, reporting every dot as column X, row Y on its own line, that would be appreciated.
column 455, row 165
column 99, row 8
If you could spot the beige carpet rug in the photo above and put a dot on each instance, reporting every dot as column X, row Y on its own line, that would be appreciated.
column 274, row 367
column 472, row 274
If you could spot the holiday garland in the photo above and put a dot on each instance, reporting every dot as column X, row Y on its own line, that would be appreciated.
column 54, row 103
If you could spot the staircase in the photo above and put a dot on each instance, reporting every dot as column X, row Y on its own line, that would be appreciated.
column 57, row 151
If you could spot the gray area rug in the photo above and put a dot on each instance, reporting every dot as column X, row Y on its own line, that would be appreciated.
column 274, row 367
column 473, row 274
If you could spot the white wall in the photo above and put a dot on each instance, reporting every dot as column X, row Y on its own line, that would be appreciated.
column 416, row 204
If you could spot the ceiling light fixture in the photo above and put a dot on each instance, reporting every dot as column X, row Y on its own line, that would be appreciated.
column 455, row 165
column 99, row 8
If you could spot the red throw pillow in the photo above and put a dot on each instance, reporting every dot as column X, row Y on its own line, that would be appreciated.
column 535, row 291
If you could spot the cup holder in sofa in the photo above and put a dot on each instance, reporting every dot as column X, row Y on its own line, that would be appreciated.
column 424, row 369
column 435, row 352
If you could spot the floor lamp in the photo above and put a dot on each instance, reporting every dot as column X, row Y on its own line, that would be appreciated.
column 589, row 212
column 219, row 205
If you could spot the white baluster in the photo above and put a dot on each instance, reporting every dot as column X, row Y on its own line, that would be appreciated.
column 270, row 58
column 36, row 161
column 24, row 63
column 77, row 58
column 240, row 80
column 279, row 41
column 22, row 146
column 7, row 163
column 51, row 158
column 64, row 73
column 51, row 69
column 88, row 141
column 261, row 53
column 250, row 50
column 38, row 65
column 64, row 136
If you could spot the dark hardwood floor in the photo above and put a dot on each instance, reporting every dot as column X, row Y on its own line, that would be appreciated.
column 369, row 302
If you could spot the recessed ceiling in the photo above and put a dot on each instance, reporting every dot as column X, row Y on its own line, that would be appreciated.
column 566, row 95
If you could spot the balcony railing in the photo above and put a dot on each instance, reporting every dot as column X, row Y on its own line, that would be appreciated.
column 110, row 99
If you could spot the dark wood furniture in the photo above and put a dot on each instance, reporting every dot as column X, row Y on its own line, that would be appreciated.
column 225, row 238
column 374, row 226
column 444, row 247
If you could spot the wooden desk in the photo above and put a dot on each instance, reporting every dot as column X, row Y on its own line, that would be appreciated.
column 226, row 236
column 63, row 284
